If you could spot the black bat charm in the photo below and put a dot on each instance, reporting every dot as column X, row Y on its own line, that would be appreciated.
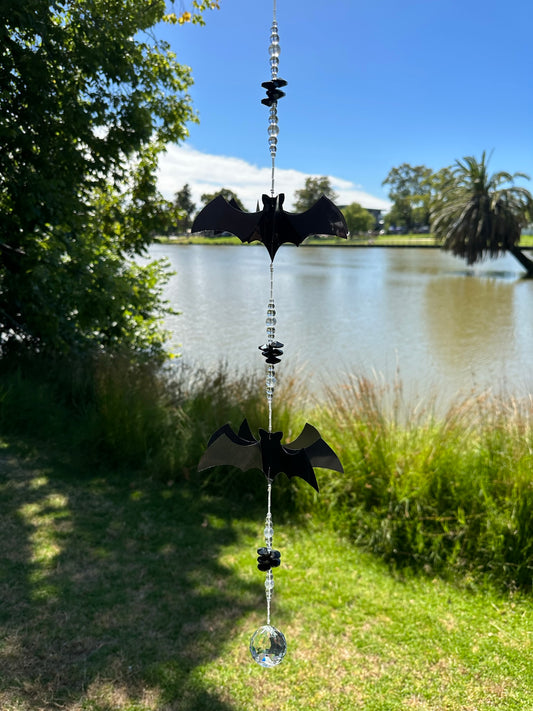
column 269, row 455
column 272, row 225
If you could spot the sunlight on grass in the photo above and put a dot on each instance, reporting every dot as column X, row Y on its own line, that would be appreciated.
column 156, row 597
column 358, row 637
column 131, row 585
column 49, row 522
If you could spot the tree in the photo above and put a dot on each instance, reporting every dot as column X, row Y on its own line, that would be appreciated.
column 185, row 208
column 410, row 191
column 479, row 215
column 226, row 193
column 88, row 98
column 313, row 190
column 358, row 219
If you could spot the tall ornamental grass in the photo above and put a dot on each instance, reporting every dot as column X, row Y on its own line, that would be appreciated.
column 444, row 494
column 448, row 494
column 139, row 418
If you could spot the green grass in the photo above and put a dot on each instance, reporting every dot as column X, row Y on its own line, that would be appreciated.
column 451, row 494
column 126, row 594
column 448, row 495
column 128, row 580
column 416, row 240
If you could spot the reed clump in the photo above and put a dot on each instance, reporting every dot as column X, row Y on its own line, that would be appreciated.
column 443, row 494
column 440, row 494
column 136, row 417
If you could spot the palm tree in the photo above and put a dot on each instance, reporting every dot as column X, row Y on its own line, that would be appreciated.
column 475, row 215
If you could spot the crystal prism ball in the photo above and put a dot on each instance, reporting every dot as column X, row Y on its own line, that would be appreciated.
column 268, row 646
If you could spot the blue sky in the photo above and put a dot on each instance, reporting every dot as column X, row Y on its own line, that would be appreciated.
column 371, row 85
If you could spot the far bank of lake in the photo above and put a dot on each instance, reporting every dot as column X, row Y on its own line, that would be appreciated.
column 445, row 329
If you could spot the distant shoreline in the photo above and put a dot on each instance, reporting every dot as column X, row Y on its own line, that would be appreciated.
column 385, row 241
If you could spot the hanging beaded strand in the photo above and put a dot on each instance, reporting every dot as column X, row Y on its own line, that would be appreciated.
column 273, row 128
column 268, row 645
column 273, row 132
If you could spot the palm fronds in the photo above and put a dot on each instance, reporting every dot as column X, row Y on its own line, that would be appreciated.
column 478, row 215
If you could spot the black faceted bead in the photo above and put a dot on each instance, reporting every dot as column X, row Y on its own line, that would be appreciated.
column 273, row 91
column 268, row 559
column 272, row 351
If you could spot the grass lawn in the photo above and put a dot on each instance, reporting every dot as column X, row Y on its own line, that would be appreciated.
column 119, row 595
column 415, row 240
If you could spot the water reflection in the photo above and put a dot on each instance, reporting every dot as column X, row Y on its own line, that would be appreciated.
column 446, row 328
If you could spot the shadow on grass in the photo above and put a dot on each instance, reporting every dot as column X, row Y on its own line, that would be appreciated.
column 111, row 593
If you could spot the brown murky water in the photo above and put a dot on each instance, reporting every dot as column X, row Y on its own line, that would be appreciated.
column 444, row 328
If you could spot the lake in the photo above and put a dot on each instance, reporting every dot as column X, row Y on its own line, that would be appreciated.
column 422, row 315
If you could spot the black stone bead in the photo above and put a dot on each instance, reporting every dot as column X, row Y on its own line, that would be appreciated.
column 272, row 351
column 273, row 91
column 268, row 559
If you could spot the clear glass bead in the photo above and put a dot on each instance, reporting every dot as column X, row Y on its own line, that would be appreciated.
column 268, row 646
column 274, row 62
column 273, row 129
column 271, row 369
column 271, row 321
column 274, row 37
column 268, row 533
column 271, row 331
column 269, row 581
column 270, row 381
column 273, row 143
column 274, row 49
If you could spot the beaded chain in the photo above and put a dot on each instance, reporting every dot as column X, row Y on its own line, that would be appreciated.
column 268, row 645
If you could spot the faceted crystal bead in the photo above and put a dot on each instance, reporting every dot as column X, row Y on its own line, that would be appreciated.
column 269, row 581
column 274, row 49
column 268, row 646
column 273, row 130
column 269, row 534
column 271, row 321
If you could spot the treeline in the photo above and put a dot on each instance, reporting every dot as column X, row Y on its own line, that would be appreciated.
column 469, row 211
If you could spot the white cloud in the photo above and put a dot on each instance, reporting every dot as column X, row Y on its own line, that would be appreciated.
column 208, row 173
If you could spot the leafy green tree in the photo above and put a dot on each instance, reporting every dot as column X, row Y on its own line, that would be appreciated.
column 185, row 209
column 410, row 192
column 88, row 98
column 313, row 189
column 478, row 214
column 226, row 193
column 358, row 219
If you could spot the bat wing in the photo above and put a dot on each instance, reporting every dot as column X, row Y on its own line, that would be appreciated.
column 297, row 463
column 324, row 218
column 309, row 450
column 319, row 452
column 219, row 215
column 227, row 447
